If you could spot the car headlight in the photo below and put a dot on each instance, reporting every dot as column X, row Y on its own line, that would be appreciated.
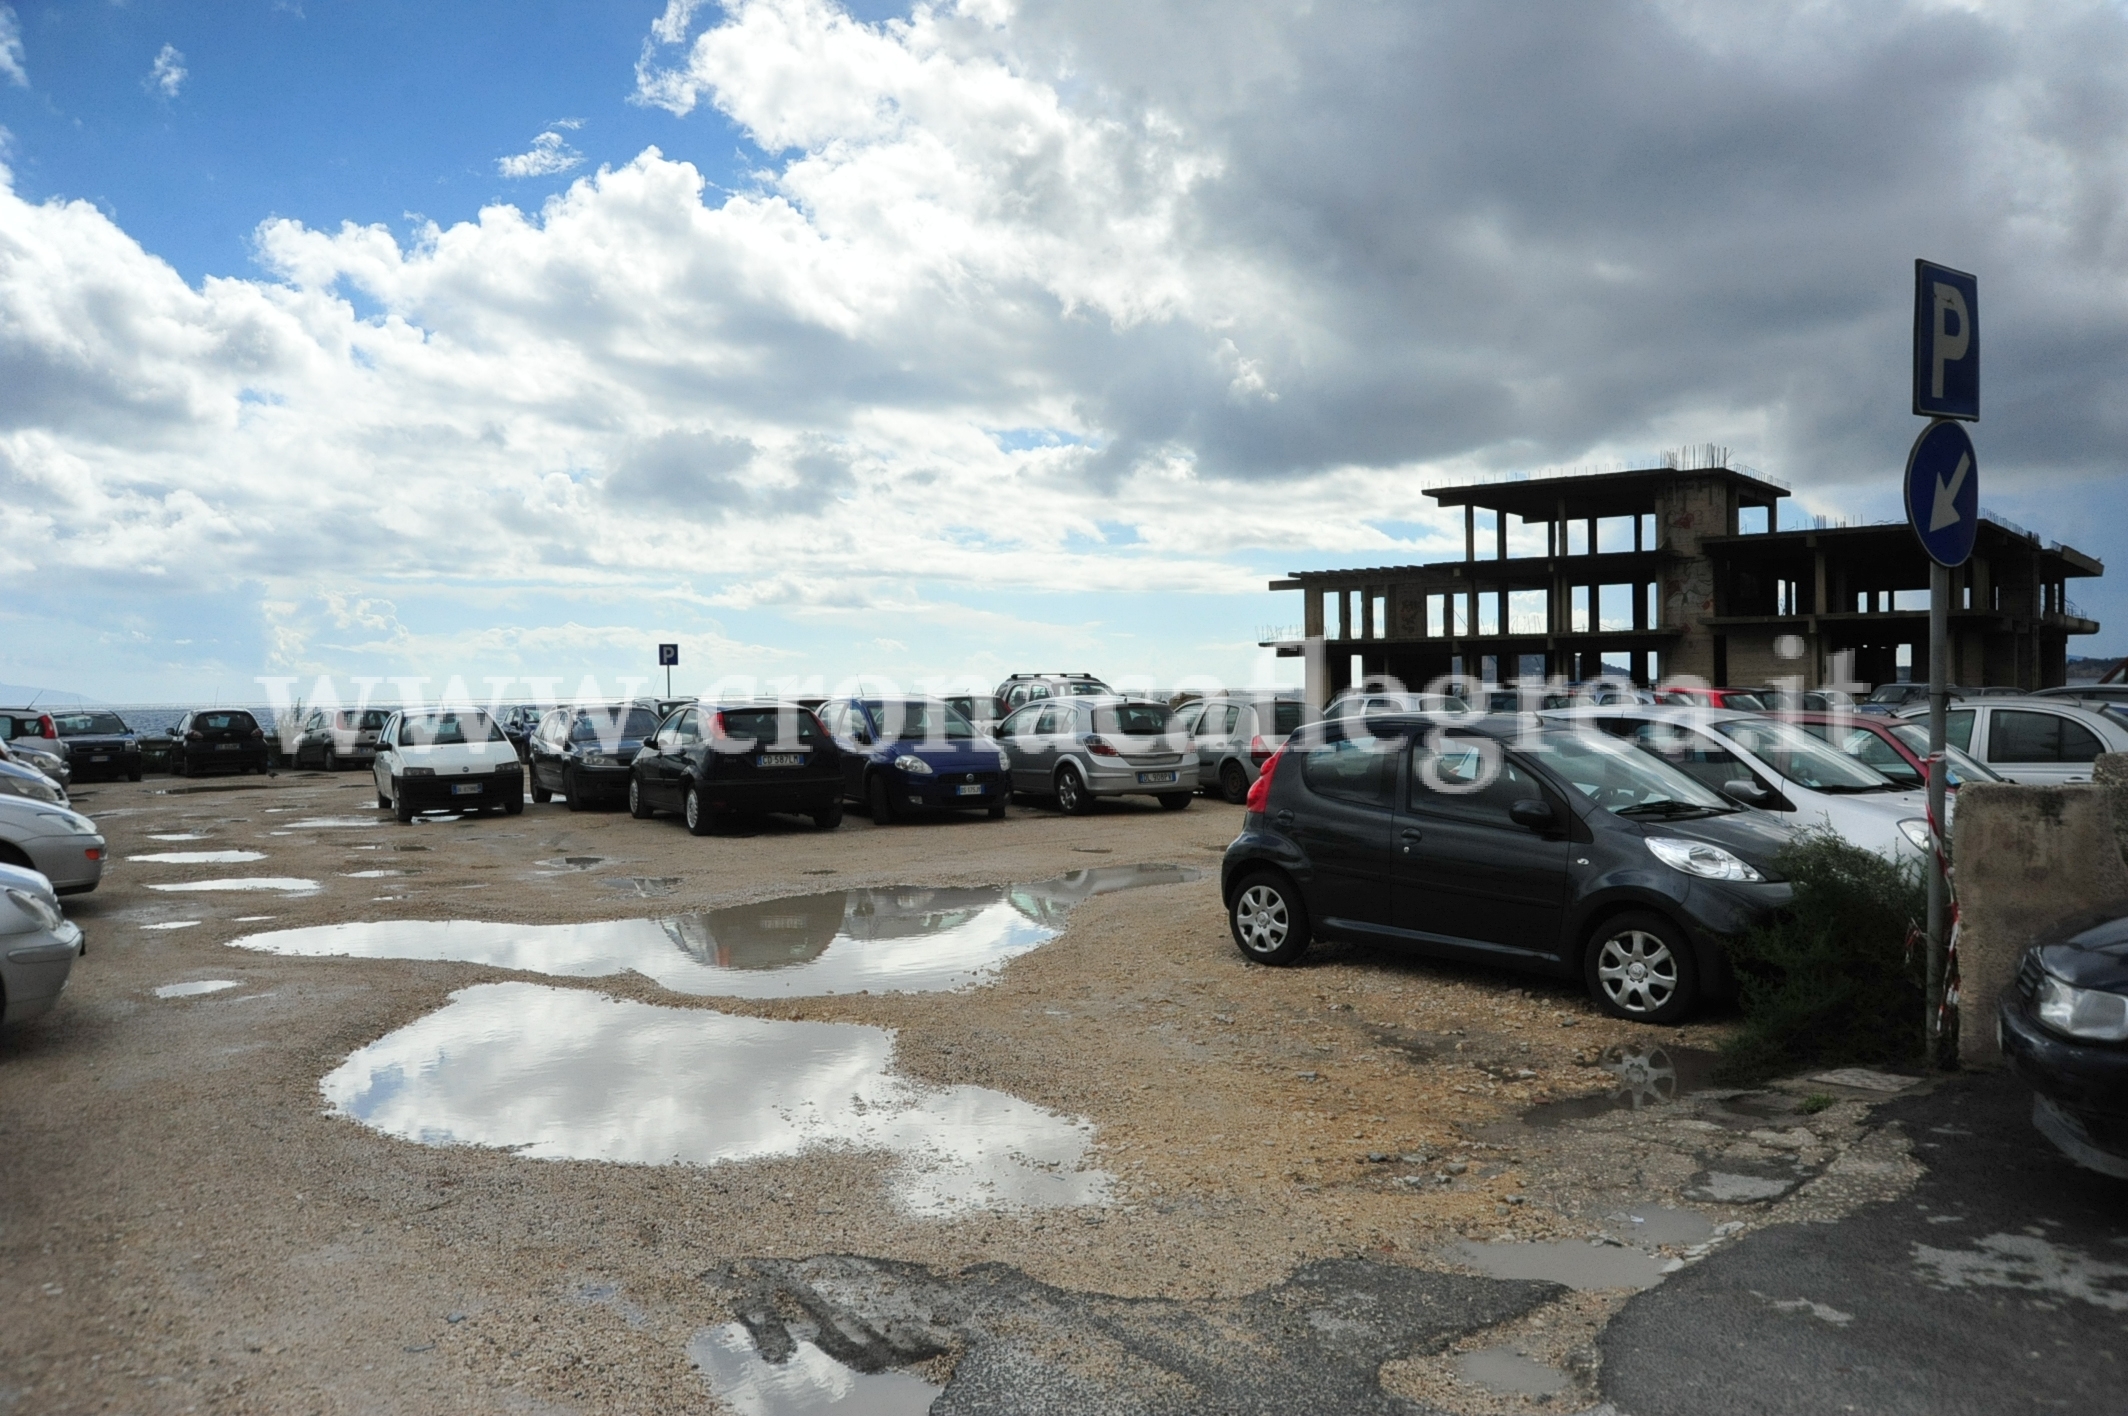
column 1699, row 858
column 1004, row 762
column 70, row 821
column 915, row 766
column 2071, row 1011
column 43, row 911
column 417, row 772
column 600, row 759
column 1915, row 829
column 35, row 791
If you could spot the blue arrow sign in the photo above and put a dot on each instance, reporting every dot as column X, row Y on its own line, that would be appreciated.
column 1943, row 492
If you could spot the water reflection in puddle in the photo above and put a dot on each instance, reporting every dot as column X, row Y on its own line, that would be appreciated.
column 1641, row 1076
column 907, row 939
column 805, row 1383
column 178, row 836
column 287, row 884
column 195, row 988
column 173, row 924
column 1579, row 1265
column 322, row 823
column 199, row 857
column 561, row 1073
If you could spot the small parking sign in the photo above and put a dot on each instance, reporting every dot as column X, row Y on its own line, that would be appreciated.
column 1946, row 342
column 668, row 655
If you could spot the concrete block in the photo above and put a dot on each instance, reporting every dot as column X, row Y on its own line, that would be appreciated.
column 2034, row 863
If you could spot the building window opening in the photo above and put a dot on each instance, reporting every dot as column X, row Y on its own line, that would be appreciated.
column 1581, row 609
column 1753, row 520
column 1489, row 612
column 1436, row 616
column 1614, row 534
column 1577, row 538
column 1379, row 624
column 1614, row 607
column 1903, row 661
column 1528, row 612
column 1647, row 531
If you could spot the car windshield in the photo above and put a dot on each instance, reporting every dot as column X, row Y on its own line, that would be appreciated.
column 608, row 724
column 1134, row 719
column 77, row 724
column 446, row 729
column 366, row 722
column 1963, row 764
column 767, row 725
column 225, row 722
column 1744, row 702
column 900, row 722
column 1892, row 693
column 1621, row 778
column 1801, row 758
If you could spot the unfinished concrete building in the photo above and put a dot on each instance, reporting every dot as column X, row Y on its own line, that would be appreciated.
column 1675, row 571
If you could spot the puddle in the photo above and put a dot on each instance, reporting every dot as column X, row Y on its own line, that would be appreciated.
column 172, row 924
column 907, row 940
column 287, row 884
column 572, row 862
column 254, row 919
column 1653, row 1226
column 326, row 823
column 1641, row 1076
column 200, row 857
column 805, row 1382
column 1506, row 1370
column 563, row 1073
column 1583, row 1265
column 196, row 988
column 374, row 874
column 178, row 836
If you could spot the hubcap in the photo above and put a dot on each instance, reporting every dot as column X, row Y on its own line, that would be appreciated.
column 1637, row 971
column 694, row 809
column 1261, row 919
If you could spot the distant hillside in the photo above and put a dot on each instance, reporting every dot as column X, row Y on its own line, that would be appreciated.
column 18, row 694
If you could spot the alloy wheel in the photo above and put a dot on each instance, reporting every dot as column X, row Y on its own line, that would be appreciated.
column 1637, row 971
column 1261, row 919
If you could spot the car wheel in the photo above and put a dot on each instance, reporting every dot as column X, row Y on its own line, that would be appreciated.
column 573, row 790
column 637, row 806
column 1269, row 922
column 1639, row 967
column 384, row 803
column 829, row 816
column 701, row 820
column 401, row 806
column 540, row 795
column 881, row 800
column 1234, row 783
column 515, row 806
column 1176, row 801
column 1072, row 796
column 997, row 811
column 134, row 775
column 328, row 761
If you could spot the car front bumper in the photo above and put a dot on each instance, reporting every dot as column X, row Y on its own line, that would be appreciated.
column 105, row 761
column 34, row 966
column 74, row 864
column 442, row 793
column 946, row 791
column 2080, row 1088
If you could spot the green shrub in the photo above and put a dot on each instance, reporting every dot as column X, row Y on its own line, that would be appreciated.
column 1829, row 983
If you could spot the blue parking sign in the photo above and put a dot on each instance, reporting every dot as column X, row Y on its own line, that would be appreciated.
column 668, row 655
column 1946, row 342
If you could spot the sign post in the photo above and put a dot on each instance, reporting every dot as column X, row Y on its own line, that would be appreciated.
column 668, row 655
column 1943, row 507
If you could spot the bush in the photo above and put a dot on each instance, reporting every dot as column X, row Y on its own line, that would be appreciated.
column 1829, row 983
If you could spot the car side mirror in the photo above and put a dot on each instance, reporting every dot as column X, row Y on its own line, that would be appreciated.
column 1534, row 814
column 1746, row 792
column 861, row 736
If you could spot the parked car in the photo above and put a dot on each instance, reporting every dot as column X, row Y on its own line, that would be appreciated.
column 21, row 781
column 583, row 754
column 1895, row 698
column 2064, row 1029
column 328, row 738
column 1810, row 700
column 219, row 740
column 1766, row 763
column 38, row 945
column 1078, row 750
column 1371, row 702
column 1492, row 841
column 57, row 842
column 98, row 744
column 1735, row 700
column 1897, row 747
column 519, row 722
column 2042, row 741
column 739, row 759
column 1236, row 734
column 32, row 735
column 1021, row 689
column 905, row 755
column 982, row 709
column 441, row 759
column 2089, row 694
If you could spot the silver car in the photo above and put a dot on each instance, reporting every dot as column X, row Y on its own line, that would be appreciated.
column 1078, row 750
column 21, row 781
column 34, row 740
column 62, row 845
column 2043, row 742
column 1236, row 733
column 38, row 945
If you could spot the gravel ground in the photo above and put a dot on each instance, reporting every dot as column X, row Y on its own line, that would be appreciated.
column 185, row 1226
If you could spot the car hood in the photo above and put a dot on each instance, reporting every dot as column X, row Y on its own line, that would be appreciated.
column 14, row 877
column 2097, row 958
column 980, row 751
column 1754, row 836
column 39, row 818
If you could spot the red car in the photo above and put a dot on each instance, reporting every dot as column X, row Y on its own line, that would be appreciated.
column 1897, row 747
column 1734, row 700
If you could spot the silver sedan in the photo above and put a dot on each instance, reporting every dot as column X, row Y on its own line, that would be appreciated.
column 38, row 945
column 64, row 846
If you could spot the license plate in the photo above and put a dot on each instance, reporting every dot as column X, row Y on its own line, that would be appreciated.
column 465, row 789
column 1154, row 779
column 100, row 757
column 780, row 759
column 972, row 789
column 229, row 747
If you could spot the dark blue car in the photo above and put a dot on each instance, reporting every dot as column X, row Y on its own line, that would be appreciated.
column 906, row 755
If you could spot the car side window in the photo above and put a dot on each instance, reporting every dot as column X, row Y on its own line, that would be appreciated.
column 1228, row 718
column 1469, row 779
column 1958, row 729
column 2016, row 735
column 1016, row 723
column 1359, row 770
column 1188, row 717
column 688, row 730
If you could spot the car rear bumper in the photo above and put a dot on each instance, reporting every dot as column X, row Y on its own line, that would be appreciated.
column 35, row 967
column 1104, row 780
column 797, row 795
column 441, row 793
column 209, row 757
column 2081, row 1087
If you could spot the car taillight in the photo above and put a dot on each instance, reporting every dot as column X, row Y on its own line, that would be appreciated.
column 1260, row 793
column 1259, row 753
column 1100, row 747
column 259, row 733
column 195, row 736
column 716, row 726
column 45, row 727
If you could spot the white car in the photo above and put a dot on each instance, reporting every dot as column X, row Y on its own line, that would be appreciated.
column 38, row 945
column 1236, row 733
column 1778, row 767
column 60, row 844
column 2039, row 741
column 444, row 759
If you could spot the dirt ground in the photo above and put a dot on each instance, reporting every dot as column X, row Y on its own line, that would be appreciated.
column 184, row 1225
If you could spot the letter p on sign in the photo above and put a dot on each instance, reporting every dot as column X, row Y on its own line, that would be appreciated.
column 1946, row 342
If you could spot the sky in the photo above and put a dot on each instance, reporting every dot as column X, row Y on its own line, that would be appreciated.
column 932, row 342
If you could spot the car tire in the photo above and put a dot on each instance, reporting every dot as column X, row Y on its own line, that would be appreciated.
column 573, row 790
column 1176, row 801
column 177, row 763
column 1234, row 783
column 540, row 795
column 1638, row 966
column 1072, row 797
column 515, row 806
column 328, row 761
column 997, row 811
column 828, row 817
column 880, row 800
column 384, row 803
column 134, row 775
column 638, row 806
column 701, row 819
column 1268, row 919
column 402, row 808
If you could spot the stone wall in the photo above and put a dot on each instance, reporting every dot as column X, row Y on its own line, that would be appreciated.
column 2034, row 864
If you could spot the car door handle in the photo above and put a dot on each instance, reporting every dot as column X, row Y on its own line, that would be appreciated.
column 1410, row 836
column 1284, row 819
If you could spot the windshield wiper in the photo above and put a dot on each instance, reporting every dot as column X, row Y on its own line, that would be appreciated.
column 1670, row 806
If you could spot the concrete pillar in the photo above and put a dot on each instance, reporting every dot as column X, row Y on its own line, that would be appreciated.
column 1470, row 532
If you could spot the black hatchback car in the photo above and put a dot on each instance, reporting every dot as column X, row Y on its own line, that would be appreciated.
column 99, row 744
column 584, row 753
column 218, row 740
column 739, row 760
column 1503, row 841
column 2064, row 1028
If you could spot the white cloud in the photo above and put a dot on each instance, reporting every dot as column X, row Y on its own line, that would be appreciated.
column 550, row 153
column 168, row 74
column 14, row 63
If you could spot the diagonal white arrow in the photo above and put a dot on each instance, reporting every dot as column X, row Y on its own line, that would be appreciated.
column 1945, row 511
